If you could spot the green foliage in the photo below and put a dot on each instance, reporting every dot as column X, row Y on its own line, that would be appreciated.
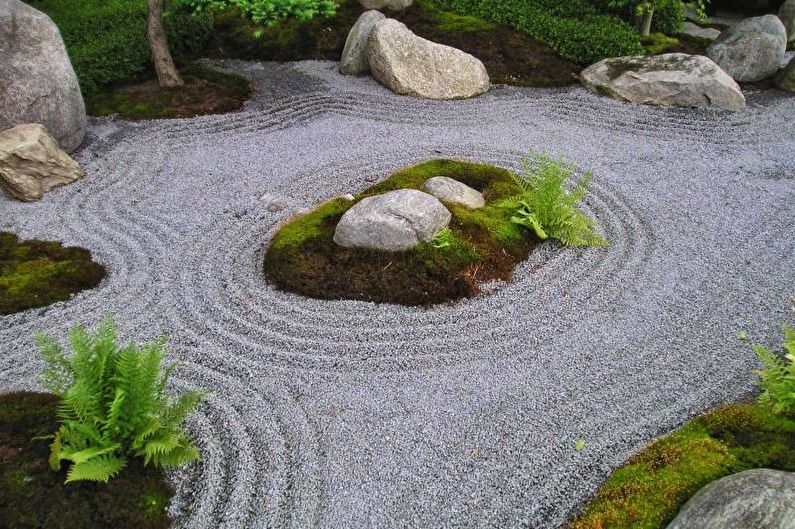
column 777, row 378
column 576, row 30
column 549, row 209
column 107, row 41
column 647, row 492
column 443, row 239
column 658, row 43
column 114, row 405
column 668, row 14
column 270, row 11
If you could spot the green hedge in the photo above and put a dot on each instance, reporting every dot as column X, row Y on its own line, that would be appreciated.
column 575, row 29
column 669, row 15
column 107, row 42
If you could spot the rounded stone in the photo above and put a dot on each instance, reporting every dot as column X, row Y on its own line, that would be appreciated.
column 395, row 221
column 452, row 191
column 751, row 50
column 787, row 16
column 354, row 56
column 394, row 5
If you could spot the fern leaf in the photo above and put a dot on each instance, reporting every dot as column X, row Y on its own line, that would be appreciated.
column 100, row 468
column 55, row 452
column 57, row 375
column 87, row 454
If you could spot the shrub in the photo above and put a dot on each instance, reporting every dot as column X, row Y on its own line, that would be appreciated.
column 777, row 377
column 576, row 30
column 114, row 405
column 106, row 39
column 549, row 209
column 669, row 15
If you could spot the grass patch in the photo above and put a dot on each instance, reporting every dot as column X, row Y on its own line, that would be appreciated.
column 658, row 43
column 33, row 496
column 510, row 57
column 647, row 492
column 38, row 273
column 206, row 91
column 480, row 245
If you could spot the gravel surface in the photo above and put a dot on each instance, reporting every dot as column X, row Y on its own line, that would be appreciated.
column 357, row 415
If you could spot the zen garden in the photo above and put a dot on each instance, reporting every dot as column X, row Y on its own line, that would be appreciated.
column 364, row 264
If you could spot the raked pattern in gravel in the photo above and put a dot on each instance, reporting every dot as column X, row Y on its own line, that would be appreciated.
column 356, row 415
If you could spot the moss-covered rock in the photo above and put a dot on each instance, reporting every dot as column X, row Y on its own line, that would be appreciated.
column 38, row 273
column 32, row 496
column 647, row 492
column 480, row 245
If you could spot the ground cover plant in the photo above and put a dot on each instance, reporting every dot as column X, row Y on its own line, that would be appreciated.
column 205, row 91
column 32, row 496
column 114, row 405
column 647, row 491
column 510, row 56
column 480, row 245
column 37, row 273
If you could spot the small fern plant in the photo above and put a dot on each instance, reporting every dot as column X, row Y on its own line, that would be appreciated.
column 548, row 208
column 777, row 377
column 114, row 405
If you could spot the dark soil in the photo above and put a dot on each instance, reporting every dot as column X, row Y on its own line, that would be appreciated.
column 205, row 91
column 38, row 273
column 34, row 497
column 510, row 57
column 484, row 245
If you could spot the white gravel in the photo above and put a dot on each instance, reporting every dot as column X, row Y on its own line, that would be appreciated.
column 349, row 414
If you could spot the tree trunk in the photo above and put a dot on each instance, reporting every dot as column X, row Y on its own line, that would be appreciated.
column 167, row 74
column 645, row 22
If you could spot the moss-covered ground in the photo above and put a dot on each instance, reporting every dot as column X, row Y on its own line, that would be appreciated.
column 509, row 56
column 206, row 91
column 38, row 273
column 647, row 492
column 34, row 497
column 480, row 245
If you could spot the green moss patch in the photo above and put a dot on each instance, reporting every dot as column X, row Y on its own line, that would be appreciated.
column 33, row 496
column 658, row 43
column 510, row 57
column 205, row 91
column 38, row 273
column 648, row 491
column 480, row 245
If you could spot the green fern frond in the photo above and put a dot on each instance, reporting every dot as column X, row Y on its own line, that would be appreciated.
column 87, row 454
column 777, row 377
column 100, row 468
column 57, row 375
column 55, row 452
column 176, row 412
column 183, row 454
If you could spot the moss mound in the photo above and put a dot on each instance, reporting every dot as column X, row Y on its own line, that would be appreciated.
column 33, row 496
column 38, row 273
column 205, row 91
column 510, row 56
column 480, row 245
column 648, row 491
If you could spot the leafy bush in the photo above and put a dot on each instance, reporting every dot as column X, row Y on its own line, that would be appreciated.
column 107, row 42
column 777, row 378
column 576, row 29
column 549, row 209
column 270, row 11
column 114, row 405
column 668, row 14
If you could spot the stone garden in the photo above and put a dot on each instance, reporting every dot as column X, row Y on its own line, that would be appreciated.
column 395, row 263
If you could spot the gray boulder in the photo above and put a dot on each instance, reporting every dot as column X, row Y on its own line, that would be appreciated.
column 787, row 16
column 693, row 30
column 786, row 77
column 752, row 49
column 411, row 65
column 394, row 5
column 31, row 163
column 395, row 221
column 354, row 56
column 37, row 82
column 673, row 79
column 452, row 191
column 758, row 499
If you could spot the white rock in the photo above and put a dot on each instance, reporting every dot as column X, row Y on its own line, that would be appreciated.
column 693, row 30
column 394, row 5
column 452, row 191
column 751, row 50
column 354, row 56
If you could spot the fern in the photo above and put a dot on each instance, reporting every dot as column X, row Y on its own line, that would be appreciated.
column 114, row 405
column 777, row 377
column 548, row 208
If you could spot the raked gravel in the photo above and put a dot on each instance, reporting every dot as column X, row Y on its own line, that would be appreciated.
column 357, row 415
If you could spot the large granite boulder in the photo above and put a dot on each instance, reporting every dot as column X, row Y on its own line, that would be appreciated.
column 394, row 5
column 31, row 163
column 750, row 50
column 354, row 56
column 758, row 499
column 786, row 77
column 693, row 30
column 37, row 82
column 454, row 192
column 411, row 65
column 395, row 221
column 673, row 79
column 787, row 16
